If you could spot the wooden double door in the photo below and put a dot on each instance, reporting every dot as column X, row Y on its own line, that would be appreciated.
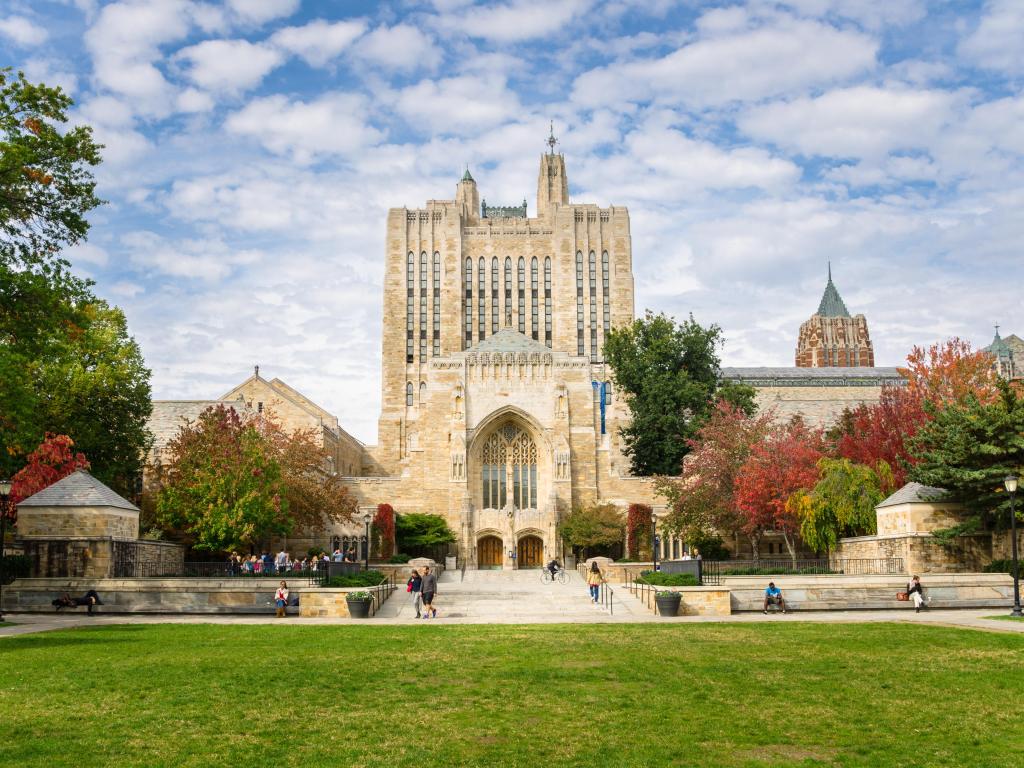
column 489, row 552
column 530, row 552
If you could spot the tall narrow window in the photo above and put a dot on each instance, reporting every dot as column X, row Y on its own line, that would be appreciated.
column 508, row 290
column 437, row 304
column 521, row 307
column 423, row 392
column 593, row 307
column 423, row 306
column 533, row 299
column 494, row 295
column 579, row 303
column 605, row 298
column 410, row 305
column 547, row 301
column 408, row 393
column 481, row 300
column 469, row 304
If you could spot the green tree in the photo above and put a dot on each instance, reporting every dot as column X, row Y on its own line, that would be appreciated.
column 597, row 525
column 968, row 447
column 668, row 374
column 416, row 529
column 842, row 503
column 223, row 488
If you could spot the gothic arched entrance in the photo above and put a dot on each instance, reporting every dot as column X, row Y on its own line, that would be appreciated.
column 530, row 552
column 489, row 552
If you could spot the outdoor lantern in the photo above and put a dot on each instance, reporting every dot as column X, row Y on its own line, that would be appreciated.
column 5, row 488
column 1010, row 481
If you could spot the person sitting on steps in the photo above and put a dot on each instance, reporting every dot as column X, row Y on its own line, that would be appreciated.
column 916, row 593
column 773, row 596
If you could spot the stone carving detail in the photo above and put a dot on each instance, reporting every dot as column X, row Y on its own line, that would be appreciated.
column 458, row 403
column 562, row 460
column 561, row 402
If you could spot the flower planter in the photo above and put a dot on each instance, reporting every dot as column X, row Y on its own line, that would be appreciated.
column 358, row 608
column 668, row 604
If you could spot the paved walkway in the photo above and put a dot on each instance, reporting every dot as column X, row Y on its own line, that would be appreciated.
column 519, row 597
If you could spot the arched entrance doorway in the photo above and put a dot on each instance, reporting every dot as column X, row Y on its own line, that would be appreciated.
column 530, row 552
column 489, row 552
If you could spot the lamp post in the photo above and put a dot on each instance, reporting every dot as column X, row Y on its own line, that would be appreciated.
column 367, row 518
column 5, row 494
column 654, row 539
column 1011, row 487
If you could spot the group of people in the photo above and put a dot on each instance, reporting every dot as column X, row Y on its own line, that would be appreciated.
column 423, row 588
column 283, row 562
column 773, row 596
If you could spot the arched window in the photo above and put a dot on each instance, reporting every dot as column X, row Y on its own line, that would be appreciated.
column 408, row 393
column 547, row 301
column 509, row 457
column 423, row 306
column 607, row 393
column 437, row 304
column 410, row 304
column 533, row 299
column 522, row 295
column 481, row 300
column 469, row 303
column 605, row 298
column 593, row 307
column 579, row 303
column 423, row 392
column 508, row 288
column 494, row 295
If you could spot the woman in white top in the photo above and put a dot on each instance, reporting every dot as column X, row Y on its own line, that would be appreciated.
column 281, row 599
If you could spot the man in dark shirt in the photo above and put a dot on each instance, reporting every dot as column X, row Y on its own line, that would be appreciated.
column 428, row 589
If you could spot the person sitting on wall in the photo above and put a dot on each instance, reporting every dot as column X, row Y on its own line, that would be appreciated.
column 773, row 596
column 89, row 599
column 916, row 593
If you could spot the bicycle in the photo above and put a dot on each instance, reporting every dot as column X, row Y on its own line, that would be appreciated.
column 560, row 576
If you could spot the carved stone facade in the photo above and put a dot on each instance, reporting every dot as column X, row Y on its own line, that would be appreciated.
column 493, row 409
column 831, row 338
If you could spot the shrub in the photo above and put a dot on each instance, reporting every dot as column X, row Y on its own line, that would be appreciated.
column 15, row 567
column 361, row 579
column 1003, row 566
column 659, row 579
column 416, row 529
column 711, row 547
column 399, row 558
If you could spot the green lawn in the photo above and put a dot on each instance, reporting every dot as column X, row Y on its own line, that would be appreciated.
column 550, row 696
column 1006, row 617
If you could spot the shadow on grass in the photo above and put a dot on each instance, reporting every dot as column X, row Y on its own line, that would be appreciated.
column 72, row 637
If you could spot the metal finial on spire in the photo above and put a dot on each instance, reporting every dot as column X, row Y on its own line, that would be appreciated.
column 830, row 271
column 257, row 369
column 997, row 330
column 551, row 138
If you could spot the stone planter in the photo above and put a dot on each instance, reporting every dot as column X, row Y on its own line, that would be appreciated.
column 358, row 608
column 668, row 604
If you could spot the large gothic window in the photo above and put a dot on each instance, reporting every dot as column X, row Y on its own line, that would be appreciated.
column 593, row 307
column 494, row 295
column 423, row 306
column 579, row 303
column 437, row 304
column 469, row 304
column 534, row 316
column 605, row 299
column 410, row 305
column 547, row 301
column 522, row 295
column 509, row 458
column 508, row 289
column 482, row 301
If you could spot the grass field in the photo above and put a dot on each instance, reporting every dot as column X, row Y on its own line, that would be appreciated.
column 624, row 695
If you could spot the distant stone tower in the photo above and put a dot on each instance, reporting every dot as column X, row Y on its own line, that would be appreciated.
column 832, row 338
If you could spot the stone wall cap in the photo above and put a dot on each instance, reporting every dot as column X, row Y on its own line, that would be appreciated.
column 79, row 489
column 914, row 493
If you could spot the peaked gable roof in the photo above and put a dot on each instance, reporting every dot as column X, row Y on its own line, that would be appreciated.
column 510, row 340
column 831, row 302
column 79, row 489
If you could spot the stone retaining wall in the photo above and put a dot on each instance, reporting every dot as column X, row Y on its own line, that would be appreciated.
column 696, row 601
column 333, row 604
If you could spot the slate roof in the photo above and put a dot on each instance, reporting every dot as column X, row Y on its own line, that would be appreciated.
column 831, row 302
column 79, row 489
column 510, row 340
column 793, row 375
column 913, row 493
column 169, row 416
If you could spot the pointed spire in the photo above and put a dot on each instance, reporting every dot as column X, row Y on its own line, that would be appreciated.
column 831, row 302
column 467, row 176
column 551, row 138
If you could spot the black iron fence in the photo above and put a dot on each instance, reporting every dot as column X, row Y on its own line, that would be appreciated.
column 712, row 571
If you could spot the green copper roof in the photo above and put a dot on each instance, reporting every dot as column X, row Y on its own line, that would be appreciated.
column 831, row 302
column 998, row 347
column 467, row 176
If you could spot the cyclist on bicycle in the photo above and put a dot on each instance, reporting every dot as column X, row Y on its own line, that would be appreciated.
column 553, row 567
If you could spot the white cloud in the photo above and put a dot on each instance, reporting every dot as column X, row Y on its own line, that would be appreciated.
column 998, row 42
column 333, row 124
column 88, row 253
column 517, row 20
column 751, row 64
column 203, row 259
column 52, row 73
column 863, row 121
column 869, row 13
column 261, row 11
column 192, row 100
column 318, row 42
column 401, row 47
column 230, row 66
column 22, row 31
column 458, row 105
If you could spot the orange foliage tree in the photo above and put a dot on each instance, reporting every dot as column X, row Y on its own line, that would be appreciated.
column 948, row 372
column 52, row 460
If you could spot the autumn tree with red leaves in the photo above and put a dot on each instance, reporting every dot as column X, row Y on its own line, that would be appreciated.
column 53, row 460
column 383, row 531
column 949, row 372
column 785, row 462
column 638, row 531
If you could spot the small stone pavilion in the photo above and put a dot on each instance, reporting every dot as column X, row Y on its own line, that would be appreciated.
column 80, row 528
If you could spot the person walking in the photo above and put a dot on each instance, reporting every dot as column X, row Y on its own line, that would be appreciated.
column 428, row 588
column 415, row 586
column 594, row 581
column 281, row 599
column 916, row 593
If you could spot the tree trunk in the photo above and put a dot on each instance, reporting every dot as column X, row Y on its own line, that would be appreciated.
column 755, row 546
column 790, row 545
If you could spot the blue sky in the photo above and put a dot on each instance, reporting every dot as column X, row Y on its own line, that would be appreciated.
column 254, row 147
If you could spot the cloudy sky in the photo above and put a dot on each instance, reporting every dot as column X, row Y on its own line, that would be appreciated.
column 254, row 146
